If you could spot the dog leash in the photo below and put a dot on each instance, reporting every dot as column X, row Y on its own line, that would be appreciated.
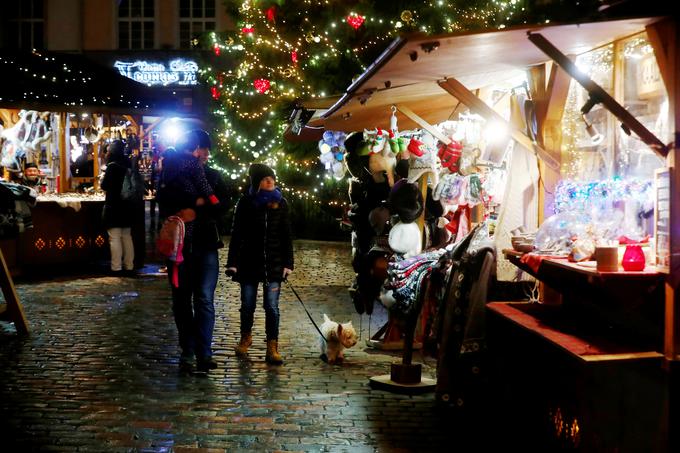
column 303, row 306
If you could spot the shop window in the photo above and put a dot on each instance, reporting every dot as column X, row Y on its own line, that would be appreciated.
column 606, row 173
column 136, row 28
column 587, row 143
column 195, row 18
column 25, row 25
column 644, row 96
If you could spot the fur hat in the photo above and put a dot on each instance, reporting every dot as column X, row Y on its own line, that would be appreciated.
column 427, row 163
column 406, row 201
column 378, row 217
column 405, row 238
column 257, row 172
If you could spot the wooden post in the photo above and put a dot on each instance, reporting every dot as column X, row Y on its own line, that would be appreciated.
column 13, row 311
column 664, row 37
column 64, row 126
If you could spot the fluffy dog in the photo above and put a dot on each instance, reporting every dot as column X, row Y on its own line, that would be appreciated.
column 338, row 337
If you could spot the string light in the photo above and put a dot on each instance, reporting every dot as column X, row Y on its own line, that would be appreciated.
column 294, row 48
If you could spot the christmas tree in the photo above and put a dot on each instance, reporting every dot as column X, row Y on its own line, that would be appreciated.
column 284, row 51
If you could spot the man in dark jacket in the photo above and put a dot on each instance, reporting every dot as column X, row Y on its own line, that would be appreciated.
column 193, row 299
column 261, row 250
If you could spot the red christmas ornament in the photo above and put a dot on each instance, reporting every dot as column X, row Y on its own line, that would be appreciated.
column 215, row 92
column 261, row 85
column 355, row 20
column 294, row 56
column 216, row 49
column 248, row 29
column 271, row 14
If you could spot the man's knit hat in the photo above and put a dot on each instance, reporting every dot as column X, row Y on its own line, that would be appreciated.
column 257, row 172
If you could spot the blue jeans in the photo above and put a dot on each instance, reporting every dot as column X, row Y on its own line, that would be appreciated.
column 193, row 302
column 271, row 293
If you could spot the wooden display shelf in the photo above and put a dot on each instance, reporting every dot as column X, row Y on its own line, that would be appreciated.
column 630, row 303
column 576, row 338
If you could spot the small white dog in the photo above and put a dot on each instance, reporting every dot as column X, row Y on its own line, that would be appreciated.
column 338, row 337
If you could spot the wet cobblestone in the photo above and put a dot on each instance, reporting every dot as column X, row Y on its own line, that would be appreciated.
column 99, row 373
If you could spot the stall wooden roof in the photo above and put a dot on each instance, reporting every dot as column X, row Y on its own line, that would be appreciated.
column 407, row 73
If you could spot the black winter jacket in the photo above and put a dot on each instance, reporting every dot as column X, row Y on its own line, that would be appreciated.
column 117, row 213
column 208, row 223
column 261, row 241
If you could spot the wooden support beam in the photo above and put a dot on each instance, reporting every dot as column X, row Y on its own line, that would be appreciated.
column 659, row 35
column 62, row 133
column 598, row 94
column 424, row 124
column 467, row 97
column 13, row 311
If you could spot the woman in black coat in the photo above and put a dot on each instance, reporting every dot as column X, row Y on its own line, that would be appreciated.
column 117, row 216
column 261, row 250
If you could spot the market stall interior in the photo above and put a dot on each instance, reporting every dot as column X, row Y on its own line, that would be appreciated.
column 534, row 154
column 58, row 112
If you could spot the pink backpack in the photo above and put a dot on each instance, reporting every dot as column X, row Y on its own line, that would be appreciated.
column 170, row 243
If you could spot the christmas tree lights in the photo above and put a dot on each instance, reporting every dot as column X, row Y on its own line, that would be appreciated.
column 280, row 52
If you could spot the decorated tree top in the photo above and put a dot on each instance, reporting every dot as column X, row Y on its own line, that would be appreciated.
column 282, row 51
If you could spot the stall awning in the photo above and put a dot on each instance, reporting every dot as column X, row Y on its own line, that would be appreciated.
column 70, row 83
column 408, row 71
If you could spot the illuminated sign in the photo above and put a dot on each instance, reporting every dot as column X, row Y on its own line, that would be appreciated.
column 180, row 72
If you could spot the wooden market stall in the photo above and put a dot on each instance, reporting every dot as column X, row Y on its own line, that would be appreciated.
column 591, row 327
column 51, row 106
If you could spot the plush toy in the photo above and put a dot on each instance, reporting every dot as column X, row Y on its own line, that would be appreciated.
column 381, row 160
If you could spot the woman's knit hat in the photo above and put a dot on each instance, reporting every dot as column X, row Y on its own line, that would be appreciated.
column 257, row 172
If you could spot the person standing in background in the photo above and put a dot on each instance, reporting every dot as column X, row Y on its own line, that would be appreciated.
column 193, row 298
column 117, row 213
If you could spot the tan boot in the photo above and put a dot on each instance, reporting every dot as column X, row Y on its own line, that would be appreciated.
column 243, row 344
column 273, row 357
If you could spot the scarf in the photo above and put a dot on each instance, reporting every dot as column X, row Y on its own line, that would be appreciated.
column 266, row 197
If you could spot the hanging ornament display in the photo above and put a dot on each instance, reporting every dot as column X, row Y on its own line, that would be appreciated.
column 406, row 16
column 216, row 49
column 271, row 14
column 355, row 21
column 247, row 29
column 332, row 149
column 294, row 57
column 215, row 92
column 262, row 85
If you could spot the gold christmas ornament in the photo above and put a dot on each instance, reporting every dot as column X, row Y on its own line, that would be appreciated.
column 287, row 72
column 309, row 37
column 406, row 16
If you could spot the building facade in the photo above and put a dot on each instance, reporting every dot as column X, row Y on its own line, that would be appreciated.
column 151, row 41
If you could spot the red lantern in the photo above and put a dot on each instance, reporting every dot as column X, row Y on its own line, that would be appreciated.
column 216, row 49
column 271, row 14
column 294, row 57
column 247, row 29
column 261, row 85
column 355, row 20
column 215, row 92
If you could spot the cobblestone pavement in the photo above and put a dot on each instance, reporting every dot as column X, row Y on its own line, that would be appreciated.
column 99, row 373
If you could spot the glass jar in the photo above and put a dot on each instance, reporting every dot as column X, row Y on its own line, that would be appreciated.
column 633, row 258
